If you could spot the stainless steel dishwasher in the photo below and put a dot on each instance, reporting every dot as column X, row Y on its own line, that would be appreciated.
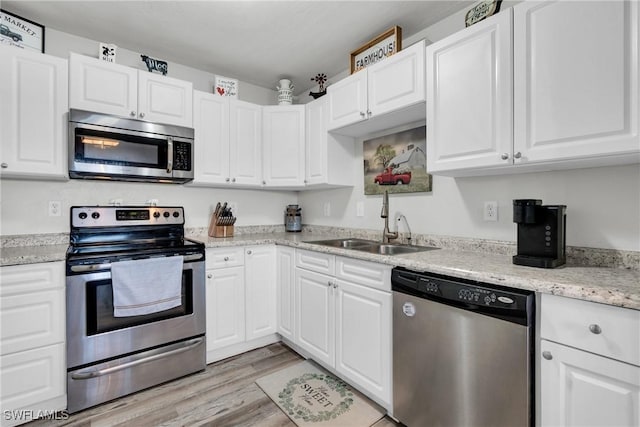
column 462, row 352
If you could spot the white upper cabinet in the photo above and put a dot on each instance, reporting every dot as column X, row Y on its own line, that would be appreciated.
column 328, row 157
column 245, row 143
column 33, row 114
column 469, row 108
column 380, row 95
column 576, row 79
column 283, row 145
column 211, row 143
column 228, row 138
column 572, row 77
column 110, row 88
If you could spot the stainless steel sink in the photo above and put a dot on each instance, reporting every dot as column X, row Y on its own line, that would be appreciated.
column 371, row 246
column 391, row 249
column 344, row 243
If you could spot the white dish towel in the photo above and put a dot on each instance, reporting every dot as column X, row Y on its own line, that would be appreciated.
column 145, row 286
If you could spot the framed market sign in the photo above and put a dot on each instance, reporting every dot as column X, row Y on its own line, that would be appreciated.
column 21, row 32
column 377, row 49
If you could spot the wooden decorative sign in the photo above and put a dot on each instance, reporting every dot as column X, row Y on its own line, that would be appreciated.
column 377, row 49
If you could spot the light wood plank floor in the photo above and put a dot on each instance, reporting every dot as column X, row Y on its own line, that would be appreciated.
column 223, row 395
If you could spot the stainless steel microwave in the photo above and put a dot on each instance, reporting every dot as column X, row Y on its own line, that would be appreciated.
column 114, row 148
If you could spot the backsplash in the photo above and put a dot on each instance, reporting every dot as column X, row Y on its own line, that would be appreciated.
column 576, row 256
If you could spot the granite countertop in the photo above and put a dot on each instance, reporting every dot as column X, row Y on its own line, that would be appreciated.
column 614, row 286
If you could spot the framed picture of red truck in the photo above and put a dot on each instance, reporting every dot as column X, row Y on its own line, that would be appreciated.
column 397, row 163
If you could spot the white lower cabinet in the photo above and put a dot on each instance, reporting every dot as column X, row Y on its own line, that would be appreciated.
column 286, row 297
column 343, row 320
column 241, row 300
column 589, row 364
column 32, row 341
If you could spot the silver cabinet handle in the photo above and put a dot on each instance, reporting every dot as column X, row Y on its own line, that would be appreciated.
column 226, row 258
column 596, row 329
column 505, row 156
column 368, row 112
column 249, row 252
column 362, row 114
column 264, row 182
column 547, row 355
column 141, row 115
column 209, row 276
column 517, row 155
column 132, row 114
column 4, row 165
column 233, row 180
column 305, row 181
column 226, row 180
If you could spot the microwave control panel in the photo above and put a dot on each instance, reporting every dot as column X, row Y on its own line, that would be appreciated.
column 181, row 156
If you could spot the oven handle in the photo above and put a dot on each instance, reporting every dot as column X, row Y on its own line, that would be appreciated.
column 186, row 346
column 107, row 265
column 169, row 155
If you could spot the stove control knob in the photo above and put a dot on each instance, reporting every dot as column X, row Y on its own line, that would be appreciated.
column 82, row 215
column 95, row 215
column 166, row 214
column 176, row 214
column 156, row 214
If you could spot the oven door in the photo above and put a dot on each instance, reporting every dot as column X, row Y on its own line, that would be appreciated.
column 94, row 334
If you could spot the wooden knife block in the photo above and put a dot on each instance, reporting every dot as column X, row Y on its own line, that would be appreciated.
column 221, row 231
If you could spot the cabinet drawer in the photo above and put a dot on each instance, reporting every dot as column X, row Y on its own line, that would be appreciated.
column 599, row 328
column 225, row 257
column 20, row 279
column 32, row 320
column 32, row 377
column 365, row 273
column 316, row 261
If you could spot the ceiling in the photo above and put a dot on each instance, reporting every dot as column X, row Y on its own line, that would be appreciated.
column 258, row 42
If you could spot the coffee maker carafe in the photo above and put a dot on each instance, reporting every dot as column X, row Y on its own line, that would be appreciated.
column 541, row 233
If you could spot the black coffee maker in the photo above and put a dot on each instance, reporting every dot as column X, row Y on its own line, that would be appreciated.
column 541, row 233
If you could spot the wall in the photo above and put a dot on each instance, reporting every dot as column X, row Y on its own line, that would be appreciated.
column 24, row 206
column 58, row 43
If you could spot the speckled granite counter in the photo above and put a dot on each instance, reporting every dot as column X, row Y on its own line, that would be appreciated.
column 614, row 286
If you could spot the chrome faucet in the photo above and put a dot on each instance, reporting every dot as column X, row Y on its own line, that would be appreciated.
column 401, row 217
column 387, row 235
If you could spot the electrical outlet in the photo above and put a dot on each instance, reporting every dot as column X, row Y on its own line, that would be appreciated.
column 55, row 208
column 327, row 209
column 360, row 208
column 490, row 211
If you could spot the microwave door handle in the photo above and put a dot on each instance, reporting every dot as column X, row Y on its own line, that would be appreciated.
column 169, row 155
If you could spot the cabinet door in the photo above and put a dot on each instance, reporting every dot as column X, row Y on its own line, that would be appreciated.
column 260, row 291
column 225, row 307
column 164, row 99
column 33, row 380
column 348, row 100
column 469, row 107
column 582, row 389
column 33, row 114
column 398, row 81
column 285, row 304
column 315, row 315
column 576, row 79
column 283, row 145
column 316, row 142
column 245, row 136
column 103, row 87
column 363, row 338
column 211, row 131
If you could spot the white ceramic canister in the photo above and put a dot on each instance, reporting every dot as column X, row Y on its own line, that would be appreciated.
column 285, row 92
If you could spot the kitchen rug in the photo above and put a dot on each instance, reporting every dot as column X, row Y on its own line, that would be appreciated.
column 312, row 397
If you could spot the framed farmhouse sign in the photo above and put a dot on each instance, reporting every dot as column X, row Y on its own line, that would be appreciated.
column 20, row 32
column 377, row 49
